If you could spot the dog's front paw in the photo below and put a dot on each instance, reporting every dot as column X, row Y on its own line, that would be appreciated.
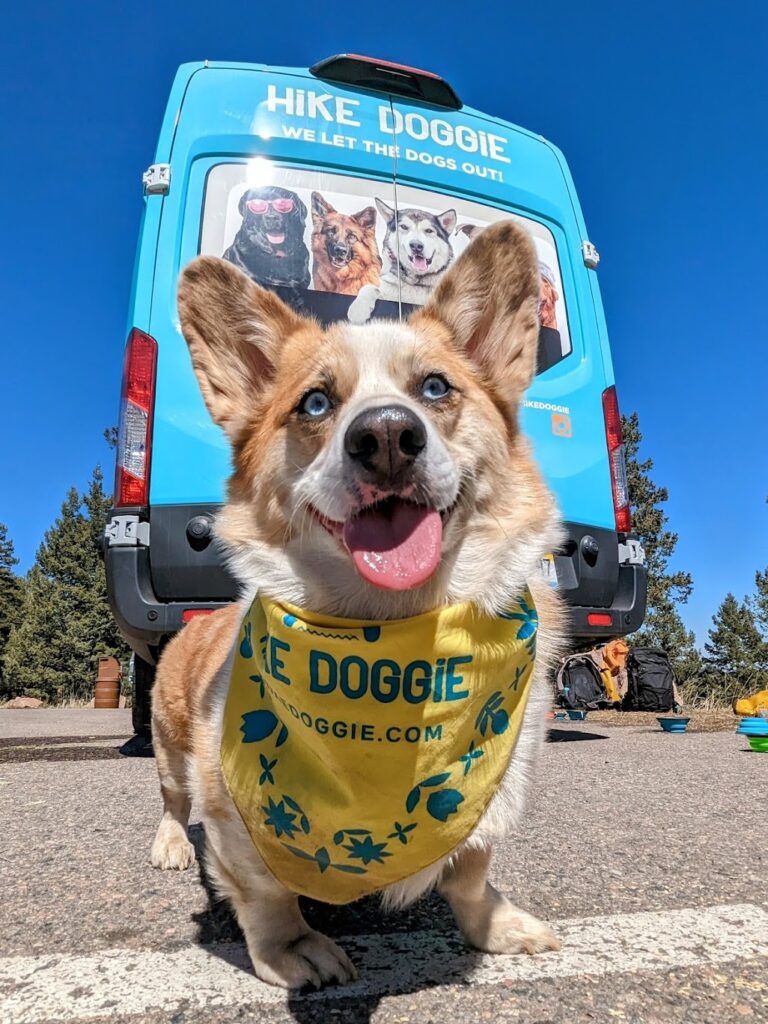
column 171, row 850
column 510, row 930
column 309, row 962
column 361, row 308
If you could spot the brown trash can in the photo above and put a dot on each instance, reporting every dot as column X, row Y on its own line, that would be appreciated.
column 107, row 684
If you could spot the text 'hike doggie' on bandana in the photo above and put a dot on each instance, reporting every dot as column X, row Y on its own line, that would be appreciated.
column 358, row 753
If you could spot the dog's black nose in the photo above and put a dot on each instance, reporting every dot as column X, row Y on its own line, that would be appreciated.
column 417, row 248
column 386, row 441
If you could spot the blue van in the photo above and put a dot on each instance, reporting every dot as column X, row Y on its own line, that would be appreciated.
column 250, row 161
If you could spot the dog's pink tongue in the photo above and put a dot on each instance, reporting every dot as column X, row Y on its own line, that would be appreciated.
column 395, row 550
column 276, row 239
column 420, row 262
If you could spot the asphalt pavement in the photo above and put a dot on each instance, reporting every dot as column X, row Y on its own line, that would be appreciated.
column 647, row 852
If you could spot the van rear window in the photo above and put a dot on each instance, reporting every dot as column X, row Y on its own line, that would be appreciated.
column 346, row 248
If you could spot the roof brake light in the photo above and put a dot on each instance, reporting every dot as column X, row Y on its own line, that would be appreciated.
column 385, row 76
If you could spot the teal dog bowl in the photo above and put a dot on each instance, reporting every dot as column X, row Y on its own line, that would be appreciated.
column 560, row 716
column 577, row 715
column 673, row 724
column 753, row 727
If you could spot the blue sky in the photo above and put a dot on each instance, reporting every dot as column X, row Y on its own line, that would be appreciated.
column 660, row 109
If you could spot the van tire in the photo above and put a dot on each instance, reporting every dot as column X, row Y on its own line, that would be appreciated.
column 144, row 677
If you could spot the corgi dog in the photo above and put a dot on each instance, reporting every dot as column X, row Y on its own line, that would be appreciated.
column 344, row 250
column 380, row 476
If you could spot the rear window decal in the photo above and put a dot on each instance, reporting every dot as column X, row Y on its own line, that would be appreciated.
column 334, row 246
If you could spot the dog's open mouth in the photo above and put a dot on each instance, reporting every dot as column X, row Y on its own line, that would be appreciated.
column 394, row 544
column 276, row 238
column 421, row 262
column 341, row 261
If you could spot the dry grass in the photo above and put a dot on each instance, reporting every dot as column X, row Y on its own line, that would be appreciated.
column 715, row 720
column 73, row 702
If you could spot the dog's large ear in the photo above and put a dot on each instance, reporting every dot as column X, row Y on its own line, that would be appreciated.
column 470, row 230
column 448, row 220
column 320, row 206
column 386, row 211
column 488, row 301
column 299, row 207
column 366, row 218
column 233, row 329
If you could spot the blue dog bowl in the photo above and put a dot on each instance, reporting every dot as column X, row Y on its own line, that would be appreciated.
column 560, row 716
column 753, row 727
column 673, row 724
column 576, row 715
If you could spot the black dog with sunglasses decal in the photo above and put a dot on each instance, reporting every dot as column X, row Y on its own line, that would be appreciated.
column 269, row 246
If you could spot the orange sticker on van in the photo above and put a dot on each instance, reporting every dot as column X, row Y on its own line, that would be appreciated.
column 561, row 425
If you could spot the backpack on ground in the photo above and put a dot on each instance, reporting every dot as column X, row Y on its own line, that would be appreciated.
column 579, row 684
column 651, row 681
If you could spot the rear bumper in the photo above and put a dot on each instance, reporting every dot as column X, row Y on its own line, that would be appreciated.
column 144, row 620
column 603, row 579
column 605, row 598
column 626, row 613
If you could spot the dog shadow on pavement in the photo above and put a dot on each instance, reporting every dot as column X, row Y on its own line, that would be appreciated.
column 372, row 938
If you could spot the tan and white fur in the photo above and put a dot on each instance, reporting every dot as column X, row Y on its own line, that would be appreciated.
column 292, row 489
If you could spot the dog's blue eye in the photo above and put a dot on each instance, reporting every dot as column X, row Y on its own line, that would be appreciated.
column 435, row 387
column 316, row 404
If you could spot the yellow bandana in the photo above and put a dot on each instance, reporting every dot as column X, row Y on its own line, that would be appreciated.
column 359, row 753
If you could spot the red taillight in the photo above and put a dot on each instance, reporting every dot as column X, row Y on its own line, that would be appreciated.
column 599, row 619
column 616, row 460
column 193, row 613
column 134, row 438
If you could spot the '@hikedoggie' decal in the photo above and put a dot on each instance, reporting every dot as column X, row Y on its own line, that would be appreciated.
column 340, row 248
column 358, row 753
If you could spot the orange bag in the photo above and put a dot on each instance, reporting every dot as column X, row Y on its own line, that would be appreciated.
column 751, row 705
column 615, row 655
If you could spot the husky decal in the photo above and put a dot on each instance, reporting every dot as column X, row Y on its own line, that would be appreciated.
column 417, row 250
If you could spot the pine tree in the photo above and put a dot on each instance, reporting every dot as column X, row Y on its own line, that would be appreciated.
column 66, row 622
column 663, row 626
column 759, row 603
column 734, row 651
column 758, row 606
column 11, row 593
